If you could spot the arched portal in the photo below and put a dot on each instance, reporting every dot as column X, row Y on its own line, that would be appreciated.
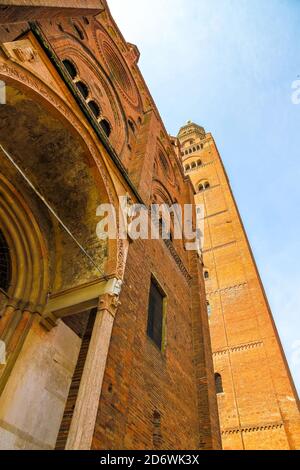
column 52, row 179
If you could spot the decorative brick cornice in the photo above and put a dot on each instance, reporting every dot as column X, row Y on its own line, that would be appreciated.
column 253, row 428
column 206, row 164
column 227, row 289
column 178, row 261
column 239, row 348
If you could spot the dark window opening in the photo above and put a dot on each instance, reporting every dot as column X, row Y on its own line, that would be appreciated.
column 219, row 384
column 78, row 31
column 83, row 89
column 5, row 264
column 131, row 125
column 106, row 127
column 206, row 275
column 157, row 436
column 94, row 108
column 155, row 314
column 70, row 68
column 204, row 186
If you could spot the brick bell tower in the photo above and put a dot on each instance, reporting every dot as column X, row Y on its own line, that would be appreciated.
column 257, row 400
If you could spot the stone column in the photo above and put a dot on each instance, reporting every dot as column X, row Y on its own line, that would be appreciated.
column 85, row 413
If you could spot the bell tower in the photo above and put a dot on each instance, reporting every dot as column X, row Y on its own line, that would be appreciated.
column 257, row 400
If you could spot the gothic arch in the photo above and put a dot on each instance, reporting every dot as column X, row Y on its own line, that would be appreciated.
column 42, row 94
column 104, row 94
column 29, row 259
column 160, row 194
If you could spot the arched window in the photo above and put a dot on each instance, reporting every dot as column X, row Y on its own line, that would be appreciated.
column 70, row 68
column 206, row 275
column 199, row 163
column 203, row 186
column 187, row 167
column 5, row 264
column 198, row 147
column 94, row 108
column 219, row 384
column 194, row 165
column 83, row 89
column 106, row 127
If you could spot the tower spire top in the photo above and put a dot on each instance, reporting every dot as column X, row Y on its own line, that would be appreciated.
column 191, row 128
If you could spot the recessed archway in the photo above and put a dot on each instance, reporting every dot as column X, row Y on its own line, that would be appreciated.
column 52, row 251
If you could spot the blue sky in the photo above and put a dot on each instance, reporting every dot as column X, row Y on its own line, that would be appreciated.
column 229, row 65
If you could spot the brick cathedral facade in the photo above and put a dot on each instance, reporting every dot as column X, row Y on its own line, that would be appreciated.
column 107, row 341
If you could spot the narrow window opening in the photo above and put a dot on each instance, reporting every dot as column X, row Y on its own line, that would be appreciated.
column 155, row 314
column 219, row 384
column 106, row 127
column 78, row 31
column 83, row 89
column 131, row 125
column 70, row 68
column 94, row 108
column 157, row 436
